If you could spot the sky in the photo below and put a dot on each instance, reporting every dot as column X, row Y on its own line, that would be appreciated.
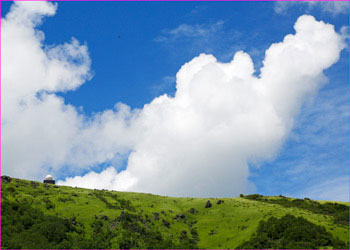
column 205, row 99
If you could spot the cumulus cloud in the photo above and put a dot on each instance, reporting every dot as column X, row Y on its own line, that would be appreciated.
column 197, row 143
column 331, row 7
column 40, row 132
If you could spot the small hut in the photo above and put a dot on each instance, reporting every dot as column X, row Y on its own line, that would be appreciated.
column 48, row 179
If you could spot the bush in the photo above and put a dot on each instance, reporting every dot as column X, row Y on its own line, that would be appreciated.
column 342, row 218
column 290, row 232
column 26, row 227
column 49, row 204
column 65, row 199
column 11, row 190
column 340, row 212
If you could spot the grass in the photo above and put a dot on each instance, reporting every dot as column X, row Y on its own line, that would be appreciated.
column 225, row 225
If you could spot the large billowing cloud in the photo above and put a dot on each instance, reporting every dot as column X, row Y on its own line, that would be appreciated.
column 197, row 143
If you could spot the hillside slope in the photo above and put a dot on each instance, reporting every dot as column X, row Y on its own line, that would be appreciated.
column 35, row 215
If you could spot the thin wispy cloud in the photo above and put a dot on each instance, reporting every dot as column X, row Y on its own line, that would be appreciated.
column 330, row 7
column 188, row 31
column 199, row 9
column 167, row 84
column 336, row 189
column 193, row 39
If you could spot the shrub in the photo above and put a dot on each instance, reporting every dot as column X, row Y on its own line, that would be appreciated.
column 26, row 227
column 49, row 204
column 290, row 232
column 340, row 212
column 11, row 190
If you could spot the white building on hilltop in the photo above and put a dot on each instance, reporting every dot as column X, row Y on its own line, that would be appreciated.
column 49, row 179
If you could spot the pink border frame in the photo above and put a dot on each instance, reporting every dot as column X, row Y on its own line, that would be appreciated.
column 162, row 1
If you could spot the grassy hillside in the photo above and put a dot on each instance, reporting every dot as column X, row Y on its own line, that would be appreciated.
column 84, row 218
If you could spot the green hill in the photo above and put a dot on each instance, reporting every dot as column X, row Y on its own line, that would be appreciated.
column 36, row 215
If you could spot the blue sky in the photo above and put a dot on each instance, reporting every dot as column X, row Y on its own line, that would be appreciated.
column 136, row 49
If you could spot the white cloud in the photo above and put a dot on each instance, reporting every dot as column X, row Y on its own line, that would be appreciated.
column 107, row 179
column 197, row 143
column 332, row 7
column 39, row 131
